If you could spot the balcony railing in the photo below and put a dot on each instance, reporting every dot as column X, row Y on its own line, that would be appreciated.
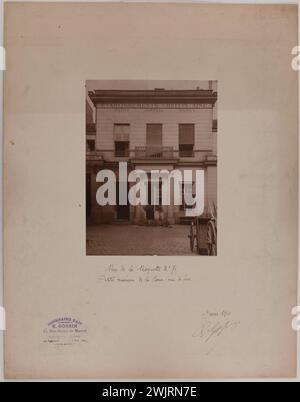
column 144, row 152
column 93, row 155
column 122, row 153
column 154, row 152
column 186, row 153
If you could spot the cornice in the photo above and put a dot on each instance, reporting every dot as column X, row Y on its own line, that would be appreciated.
column 154, row 96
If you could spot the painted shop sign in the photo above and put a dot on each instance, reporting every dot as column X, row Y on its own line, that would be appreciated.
column 154, row 106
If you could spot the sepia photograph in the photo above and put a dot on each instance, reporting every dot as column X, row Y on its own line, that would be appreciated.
column 150, row 194
column 151, row 167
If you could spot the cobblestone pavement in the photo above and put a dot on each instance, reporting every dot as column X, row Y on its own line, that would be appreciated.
column 126, row 239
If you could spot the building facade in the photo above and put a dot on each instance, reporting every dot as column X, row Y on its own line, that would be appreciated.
column 150, row 130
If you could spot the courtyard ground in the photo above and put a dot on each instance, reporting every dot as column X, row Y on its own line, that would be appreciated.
column 127, row 239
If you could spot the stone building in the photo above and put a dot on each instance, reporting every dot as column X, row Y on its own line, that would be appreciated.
column 150, row 129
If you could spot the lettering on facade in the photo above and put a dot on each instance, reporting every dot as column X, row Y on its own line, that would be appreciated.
column 154, row 106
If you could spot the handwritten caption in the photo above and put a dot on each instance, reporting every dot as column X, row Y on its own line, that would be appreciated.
column 150, row 274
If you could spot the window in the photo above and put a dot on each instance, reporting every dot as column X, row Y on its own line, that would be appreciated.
column 186, row 140
column 154, row 141
column 215, row 126
column 121, row 138
column 154, row 135
column 122, row 148
column 90, row 145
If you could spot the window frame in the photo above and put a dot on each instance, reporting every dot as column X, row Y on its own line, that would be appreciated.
column 118, row 153
column 186, row 153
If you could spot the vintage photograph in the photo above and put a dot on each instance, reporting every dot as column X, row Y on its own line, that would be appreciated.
column 151, row 167
column 150, row 220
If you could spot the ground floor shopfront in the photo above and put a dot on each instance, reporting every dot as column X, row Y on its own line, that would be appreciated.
column 160, row 215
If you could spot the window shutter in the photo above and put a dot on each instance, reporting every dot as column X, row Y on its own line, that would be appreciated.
column 121, row 132
column 186, row 134
column 154, row 135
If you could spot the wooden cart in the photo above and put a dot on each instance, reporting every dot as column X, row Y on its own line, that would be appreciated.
column 203, row 233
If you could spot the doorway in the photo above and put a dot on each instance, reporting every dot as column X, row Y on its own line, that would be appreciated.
column 123, row 211
column 150, row 207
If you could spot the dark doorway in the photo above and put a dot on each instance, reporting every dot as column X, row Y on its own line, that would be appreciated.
column 88, row 194
column 150, row 212
column 149, row 207
column 123, row 211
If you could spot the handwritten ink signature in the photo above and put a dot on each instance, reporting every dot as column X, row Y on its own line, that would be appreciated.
column 214, row 325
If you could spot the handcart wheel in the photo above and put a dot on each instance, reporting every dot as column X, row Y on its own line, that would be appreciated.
column 211, row 238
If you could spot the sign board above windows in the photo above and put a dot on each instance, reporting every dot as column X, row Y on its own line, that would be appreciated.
column 154, row 106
